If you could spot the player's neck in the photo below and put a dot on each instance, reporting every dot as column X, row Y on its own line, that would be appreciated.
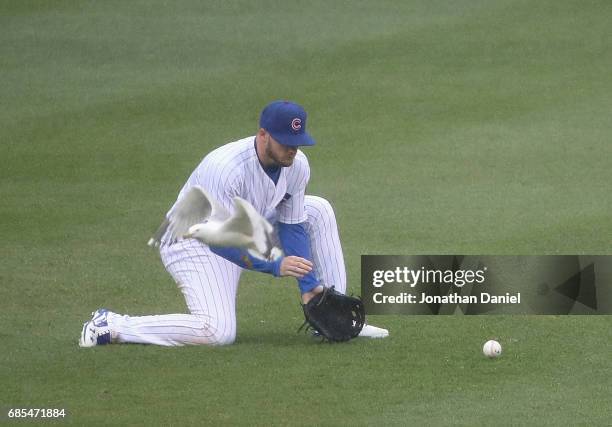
column 266, row 162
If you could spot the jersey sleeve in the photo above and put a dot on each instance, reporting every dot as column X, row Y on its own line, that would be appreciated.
column 294, row 240
column 243, row 259
column 291, row 210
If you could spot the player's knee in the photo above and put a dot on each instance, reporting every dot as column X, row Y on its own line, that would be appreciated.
column 321, row 211
column 223, row 332
column 225, row 339
column 216, row 332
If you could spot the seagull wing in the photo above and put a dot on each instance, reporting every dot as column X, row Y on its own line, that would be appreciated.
column 240, row 221
column 248, row 219
column 194, row 207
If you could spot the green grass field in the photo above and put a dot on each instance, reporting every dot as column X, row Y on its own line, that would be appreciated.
column 465, row 127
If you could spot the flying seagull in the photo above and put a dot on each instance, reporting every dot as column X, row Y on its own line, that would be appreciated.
column 199, row 216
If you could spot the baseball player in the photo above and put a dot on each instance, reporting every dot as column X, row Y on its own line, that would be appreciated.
column 270, row 172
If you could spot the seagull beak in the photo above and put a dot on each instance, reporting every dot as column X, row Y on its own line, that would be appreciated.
column 187, row 236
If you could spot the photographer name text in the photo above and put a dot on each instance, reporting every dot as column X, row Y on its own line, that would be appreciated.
column 483, row 298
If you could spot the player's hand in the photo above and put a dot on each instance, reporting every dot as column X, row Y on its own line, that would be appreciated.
column 307, row 296
column 295, row 266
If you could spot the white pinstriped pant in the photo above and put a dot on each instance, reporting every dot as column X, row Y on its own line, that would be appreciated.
column 209, row 284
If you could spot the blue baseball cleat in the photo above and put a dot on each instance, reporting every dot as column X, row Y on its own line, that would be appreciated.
column 96, row 331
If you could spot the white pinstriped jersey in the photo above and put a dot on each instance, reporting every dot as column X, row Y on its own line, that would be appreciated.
column 234, row 170
column 209, row 282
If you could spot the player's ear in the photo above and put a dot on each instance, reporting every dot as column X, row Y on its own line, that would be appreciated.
column 262, row 133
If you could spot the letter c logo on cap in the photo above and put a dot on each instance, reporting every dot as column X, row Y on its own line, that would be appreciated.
column 296, row 124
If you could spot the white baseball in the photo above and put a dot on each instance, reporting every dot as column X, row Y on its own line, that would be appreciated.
column 492, row 349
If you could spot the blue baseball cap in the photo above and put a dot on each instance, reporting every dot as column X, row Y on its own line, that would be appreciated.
column 286, row 122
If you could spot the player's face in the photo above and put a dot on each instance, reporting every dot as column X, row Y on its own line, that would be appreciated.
column 281, row 155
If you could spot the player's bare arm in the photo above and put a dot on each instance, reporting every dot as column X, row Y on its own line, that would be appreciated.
column 295, row 266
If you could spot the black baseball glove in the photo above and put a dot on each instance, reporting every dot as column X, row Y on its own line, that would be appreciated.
column 335, row 316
